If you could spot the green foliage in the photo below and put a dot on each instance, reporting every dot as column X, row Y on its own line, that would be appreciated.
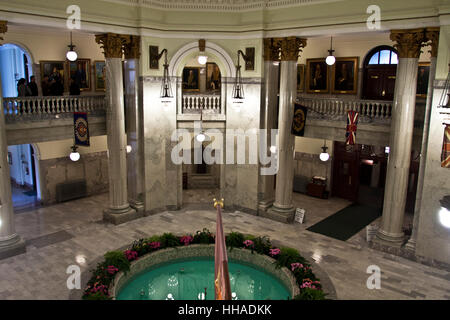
column 235, row 240
column 140, row 246
column 153, row 239
column 288, row 256
column 96, row 296
column 310, row 294
column 203, row 237
column 169, row 240
column 262, row 245
column 117, row 259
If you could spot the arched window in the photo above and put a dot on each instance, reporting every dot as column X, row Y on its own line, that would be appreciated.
column 380, row 68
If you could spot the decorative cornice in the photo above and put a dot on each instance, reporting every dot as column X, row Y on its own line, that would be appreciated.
column 271, row 50
column 408, row 42
column 132, row 47
column 3, row 28
column 112, row 44
column 218, row 5
column 290, row 47
column 432, row 35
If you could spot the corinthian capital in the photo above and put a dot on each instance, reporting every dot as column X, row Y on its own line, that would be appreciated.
column 112, row 44
column 132, row 48
column 408, row 42
column 290, row 47
column 271, row 50
column 432, row 35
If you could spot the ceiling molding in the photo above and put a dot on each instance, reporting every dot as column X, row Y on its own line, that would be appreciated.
column 218, row 5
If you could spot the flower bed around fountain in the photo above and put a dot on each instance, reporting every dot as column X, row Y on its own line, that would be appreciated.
column 285, row 264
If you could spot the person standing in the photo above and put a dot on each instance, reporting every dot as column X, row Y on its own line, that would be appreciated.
column 32, row 86
column 22, row 89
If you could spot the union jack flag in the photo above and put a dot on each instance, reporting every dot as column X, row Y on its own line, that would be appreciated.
column 352, row 122
column 445, row 155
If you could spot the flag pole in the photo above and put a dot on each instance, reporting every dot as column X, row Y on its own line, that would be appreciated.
column 221, row 274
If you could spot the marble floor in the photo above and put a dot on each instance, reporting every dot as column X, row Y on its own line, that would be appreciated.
column 58, row 236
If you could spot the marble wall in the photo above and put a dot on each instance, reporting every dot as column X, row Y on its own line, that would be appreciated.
column 307, row 165
column 93, row 167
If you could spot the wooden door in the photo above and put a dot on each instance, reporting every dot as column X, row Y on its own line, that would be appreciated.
column 345, row 171
column 379, row 82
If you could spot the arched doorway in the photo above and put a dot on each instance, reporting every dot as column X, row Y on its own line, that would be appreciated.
column 23, row 163
column 380, row 68
column 16, row 63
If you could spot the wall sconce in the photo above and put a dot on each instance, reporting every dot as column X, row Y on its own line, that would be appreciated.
column 331, row 59
column 129, row 149
column 443, row 102
column 166, row 86
column 74, row 155
column 324, row 156
column 238, row 88
column 71, row 55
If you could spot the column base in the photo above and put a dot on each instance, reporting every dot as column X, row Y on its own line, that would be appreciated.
column 137, row 205
column 411, row 245
column 264, row 205
column 394, row 240
column 121, row 216
column 279, row 214
column 12, row 247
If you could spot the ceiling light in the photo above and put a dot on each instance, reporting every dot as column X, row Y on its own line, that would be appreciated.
column 129, row 148
column 201, row 137
column 74, row 155
column 331, row 59
column 71, row 55
column 273, row 149
column 324, row 156
column 202, row 59
column 444, row 217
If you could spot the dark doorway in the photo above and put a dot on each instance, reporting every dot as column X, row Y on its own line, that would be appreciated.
column 380, row 68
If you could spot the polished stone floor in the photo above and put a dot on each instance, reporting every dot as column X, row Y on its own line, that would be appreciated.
column 68, row 233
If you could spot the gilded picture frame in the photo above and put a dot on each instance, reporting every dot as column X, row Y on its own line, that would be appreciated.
column 54, row 70
column 100, row 75
column 191, row 79
column 80, row 71
column 317, row 76
column 344, row 75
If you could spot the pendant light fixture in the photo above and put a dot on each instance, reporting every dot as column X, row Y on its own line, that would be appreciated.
column 324, row 156
column 238, row 88
column 202, row 58
column 201, row 136
column 74, row 155
column 71, row 55
column 331, row 59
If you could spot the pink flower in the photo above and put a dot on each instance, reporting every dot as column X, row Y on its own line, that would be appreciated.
column 295, row 266
column 154, row 245
column 112, row 269
column 186, row 240
column 274, row 252
column 131, row 255
column 248, row 243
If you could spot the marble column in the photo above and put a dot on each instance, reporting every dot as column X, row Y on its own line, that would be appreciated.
column 134, row 128
column 283, row 209
column 431, row 34
column 408, row 44
column 119, row 210
column 268, row 117
column 10, row 242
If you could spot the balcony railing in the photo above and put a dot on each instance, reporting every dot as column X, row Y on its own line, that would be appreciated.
column 196, row 103
column 36, row 108
column 336, row 109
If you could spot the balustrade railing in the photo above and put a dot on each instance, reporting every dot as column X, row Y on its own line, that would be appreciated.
column 194, row 103
column 40, row 107
column 338, row 108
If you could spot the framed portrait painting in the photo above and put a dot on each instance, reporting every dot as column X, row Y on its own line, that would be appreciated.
column 423, row 75
column 300, row 78
column 191, row 79
column 153, row 57
column 80, row 72
column 52, row 77
column 100, row 75
column 317, row 76
column 344, row 75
